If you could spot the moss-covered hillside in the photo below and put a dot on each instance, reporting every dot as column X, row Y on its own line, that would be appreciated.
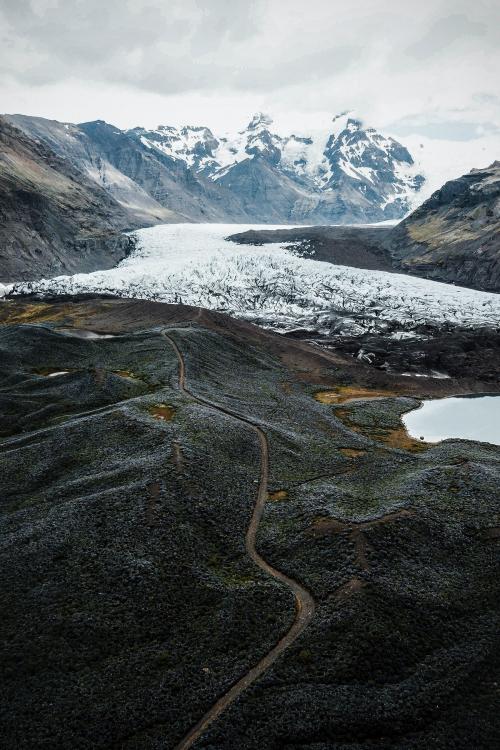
column 129, row 602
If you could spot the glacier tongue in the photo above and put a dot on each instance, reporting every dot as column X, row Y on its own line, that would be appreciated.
column 195, row 265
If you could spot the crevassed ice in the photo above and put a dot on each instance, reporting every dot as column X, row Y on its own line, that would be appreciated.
column 194, row 264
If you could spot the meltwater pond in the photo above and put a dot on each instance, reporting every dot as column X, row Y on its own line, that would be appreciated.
column 466, row 417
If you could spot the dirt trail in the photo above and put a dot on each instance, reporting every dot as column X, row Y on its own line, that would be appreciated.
column 304, row 601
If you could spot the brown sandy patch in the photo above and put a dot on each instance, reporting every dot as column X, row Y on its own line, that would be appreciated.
column 277, row 496
column 399, row 438
column 162, row 411
column 126, row 374
column 361, row 548
column 177, row 457
column 18, row 312
column 99, row 375
column 352, row 452
column 491, row 535
column 392, row 438
column 344, row 393
column 328, row 526
column 325, row 526
column 152, row 500
column 353, row 586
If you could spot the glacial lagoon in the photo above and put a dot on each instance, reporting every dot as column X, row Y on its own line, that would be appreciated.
column 466, row 417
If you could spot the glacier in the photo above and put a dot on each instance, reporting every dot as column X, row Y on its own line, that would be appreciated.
column 195, row 264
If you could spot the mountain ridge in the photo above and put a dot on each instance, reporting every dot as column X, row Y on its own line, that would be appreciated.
column 353, row 174
column 351, row 162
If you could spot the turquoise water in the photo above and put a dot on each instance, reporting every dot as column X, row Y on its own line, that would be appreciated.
column 467, row 417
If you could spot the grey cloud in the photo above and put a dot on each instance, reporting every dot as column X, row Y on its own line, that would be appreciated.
column 304, row 68
column 191, row 45
column 454, row 130
column 444, row 32
column 226, row 19
column 317, row 54
column 87, row 33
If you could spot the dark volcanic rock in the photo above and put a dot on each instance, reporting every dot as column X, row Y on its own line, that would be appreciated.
column 53, row 220
column 455, row 353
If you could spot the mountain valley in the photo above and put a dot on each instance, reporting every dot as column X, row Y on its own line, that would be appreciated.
column 210, row 501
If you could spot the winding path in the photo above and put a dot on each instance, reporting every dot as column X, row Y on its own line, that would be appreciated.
column 304, row 601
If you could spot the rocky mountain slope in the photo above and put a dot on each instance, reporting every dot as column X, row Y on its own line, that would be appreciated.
column 455, row 235
column 351, row 174
column 53, row 219
column 358, row 247
column 130, row 604
column 152, row 187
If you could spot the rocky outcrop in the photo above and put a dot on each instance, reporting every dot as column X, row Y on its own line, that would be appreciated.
column 455, row 235
column 53, row 220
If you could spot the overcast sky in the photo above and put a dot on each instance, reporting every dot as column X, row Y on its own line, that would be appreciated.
column 429, row 67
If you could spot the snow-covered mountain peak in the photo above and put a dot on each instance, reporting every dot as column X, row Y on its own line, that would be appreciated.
column 353, row 125
column 347, row 120
column 260, row 121
column 376, row 166
column 163, row 129
column 374, row 170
